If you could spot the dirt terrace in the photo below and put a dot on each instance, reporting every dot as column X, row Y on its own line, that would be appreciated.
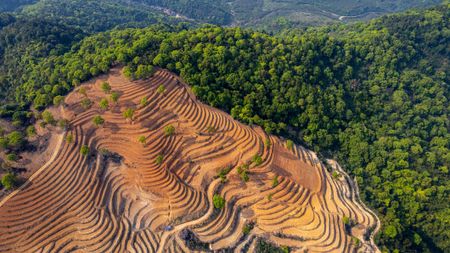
column 134, row 204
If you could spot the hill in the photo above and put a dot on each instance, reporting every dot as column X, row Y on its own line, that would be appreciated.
column 161, row 172
column 373, row 96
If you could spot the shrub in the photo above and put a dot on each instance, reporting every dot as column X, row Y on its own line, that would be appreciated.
column 58, row 100
column 257, row 160
column 48, row 118
column 143, row 102
column 211, row 129
column 12, row 157
column 98, row 120
column 247, row 228
column 218, row 201
column 84, row 150
column 142, row 139
column 114, row 97
column 275, row 182
column 269, row 197
column 169, row 130
column 63, row 123
column 290, row 144
column 159, row 159
column 31, row 131
column 86, row 103
column 244, row 176
column 104, row 104
column 161, row 89
column 9, row 180
column 336, row 175
column 128, row 114
column 106, row 88
column 69, row 138
column 223, row 174
column 267, row 143
column 82, row 91
column 15, row 140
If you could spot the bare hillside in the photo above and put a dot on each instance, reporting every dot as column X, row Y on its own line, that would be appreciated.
column 162, row 172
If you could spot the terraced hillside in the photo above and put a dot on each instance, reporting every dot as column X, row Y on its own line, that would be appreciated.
column 146, row 182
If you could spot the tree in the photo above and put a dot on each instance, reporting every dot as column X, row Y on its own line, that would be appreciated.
column 159, row 159
column 104, row 104
column 114, row 97
column 15, row 140
column 98, row 120
column 289, row 144
column 86, row 103
column 161, row 89
column 218, row 201
column 169, row 130
column 143, row 102
column 142, row 139
column 84, row 150
column 31, row 131
column 128, row 114
column 106, row 87
column 275, row 182
column 48, row 118
column 58, row 100
column 257, row 160
column 63, row 123
column 9, row 180
column 12, row 157
column 69, row 138
column 82, row 91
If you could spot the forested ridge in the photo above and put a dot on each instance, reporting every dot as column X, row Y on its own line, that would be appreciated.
column 372, row 95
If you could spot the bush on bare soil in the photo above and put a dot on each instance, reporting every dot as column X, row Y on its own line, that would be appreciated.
column 169, row 130
column 218, row 201
column 9, row 180
column 84, row 150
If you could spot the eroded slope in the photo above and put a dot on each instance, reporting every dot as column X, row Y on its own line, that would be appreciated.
column 126, row 196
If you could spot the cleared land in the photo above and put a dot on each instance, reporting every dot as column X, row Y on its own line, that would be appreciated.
column 145, row 188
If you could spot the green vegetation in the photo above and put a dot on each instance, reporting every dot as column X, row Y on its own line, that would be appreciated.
column 84, row 150
column 9, row 180
column 275, row 182
column 58, row 100
column 161, row 89
column 12, row 157
column 142, row 139
column 169, row 130
column 69, row 138
column 266, row 247
column 106, row 87
column 247, row 228
column 31, row 131
column 159, row 159
column 86, row 103
column 289, row 144
column 373, row 96
column 104, row 104
column 13, row 141
column 128, row 114
column 143, row 102
column 257, row 159
column 218, row 201
column 223, row 174
column 98, row 120
column 114, row 97
column 48, row 118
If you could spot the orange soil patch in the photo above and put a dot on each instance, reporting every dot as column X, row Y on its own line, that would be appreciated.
column 94, row 204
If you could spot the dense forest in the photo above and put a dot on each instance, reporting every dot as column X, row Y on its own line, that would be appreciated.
column 372, row 95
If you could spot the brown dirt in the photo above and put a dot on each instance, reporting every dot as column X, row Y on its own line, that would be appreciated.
column 101, row 204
